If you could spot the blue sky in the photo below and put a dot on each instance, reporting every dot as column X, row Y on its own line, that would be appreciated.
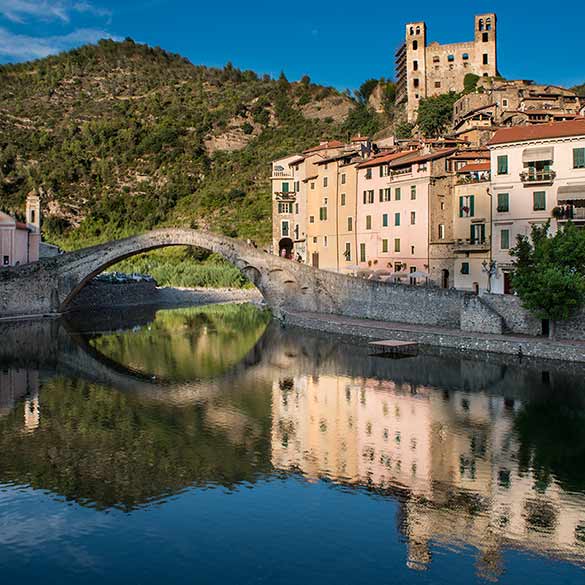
column 339, row 43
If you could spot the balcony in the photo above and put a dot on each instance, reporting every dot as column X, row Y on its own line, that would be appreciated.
column 474, row 178
column 538, row 177
column 285, row 195
column 282, row 175
column 470, row 246
column 400, row 172
column 569, row 213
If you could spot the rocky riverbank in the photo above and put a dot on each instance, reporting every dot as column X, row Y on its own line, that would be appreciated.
column 99, row 295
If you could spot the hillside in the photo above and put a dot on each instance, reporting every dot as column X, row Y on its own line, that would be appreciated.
column 122, row 137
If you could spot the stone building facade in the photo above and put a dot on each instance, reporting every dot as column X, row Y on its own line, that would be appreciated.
column 20, row 241
column 424, row 69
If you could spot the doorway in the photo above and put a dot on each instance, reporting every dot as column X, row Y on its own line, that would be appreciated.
column 285, row 248
column 444, row 278
column 315, row 260
column 507, row 283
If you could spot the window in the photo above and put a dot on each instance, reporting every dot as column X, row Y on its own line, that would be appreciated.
column 285, row 188
column 441, row 231
column 412, row 217
column 480, row 24
column 384, row 171
column 437, row 84
column 485, row 59
column 296, row 232
column 296, row 208
column 485, row 37
column 504, row 103
column 436, row 59
column 413, row 193
column 579, row 158
column 325, row 241
column 342, row 199
column 284, row 207
column 368, row 196
column 465, row 56
column 325, row 181
column 350, row 224
column 504, row 239
column 368, row 222
column 385, row 220
column 32, row 216
column 451, row 58
column 464, row 267
column 362, row 252
column 312, row 219
column 397, row 219
column 412, row 250
column 415, row 65
column 397, row 245
column 397, row 194
column 384, row 246
column 387, row 194
column 416, row 82
column 6, row 260
column 343, row 178
column 347, row 252
column 503, row 202
column 467, row 206
column 503, row 164
column 539, row 200
column 414, row 45
column 323, row 213
column 368, row 173
column 477, row 233
column 312, row 186
column 285, row 229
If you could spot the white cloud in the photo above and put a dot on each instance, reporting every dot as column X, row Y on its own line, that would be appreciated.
column 48, row 10
column 21, row 47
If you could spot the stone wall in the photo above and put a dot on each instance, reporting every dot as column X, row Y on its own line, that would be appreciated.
column 478, row 316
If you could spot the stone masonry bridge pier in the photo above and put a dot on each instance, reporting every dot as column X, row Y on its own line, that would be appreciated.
column 47, row 287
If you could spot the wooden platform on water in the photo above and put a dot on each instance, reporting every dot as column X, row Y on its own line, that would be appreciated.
column 394, row 347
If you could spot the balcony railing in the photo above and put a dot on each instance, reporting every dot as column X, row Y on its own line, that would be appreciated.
column 534, row 177
column 573, row 214
column 468, row 180
column 285, row 195
column 282, row 174
column 400, row 172
column 472, row 245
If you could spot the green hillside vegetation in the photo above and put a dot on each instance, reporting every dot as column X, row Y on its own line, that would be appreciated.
column 122, row 138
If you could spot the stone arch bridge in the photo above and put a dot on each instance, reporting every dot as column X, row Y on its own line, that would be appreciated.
column 47, row 287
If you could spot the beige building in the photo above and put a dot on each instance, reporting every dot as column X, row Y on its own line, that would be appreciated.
column 538, row 174
column 20, row 242
column 426, row 69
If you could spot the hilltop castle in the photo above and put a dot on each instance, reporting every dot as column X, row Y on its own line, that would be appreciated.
column 424, row 70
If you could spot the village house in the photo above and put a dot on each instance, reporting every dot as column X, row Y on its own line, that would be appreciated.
column 538, row 174
column 20, row 241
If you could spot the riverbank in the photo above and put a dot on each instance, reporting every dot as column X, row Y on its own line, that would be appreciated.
column 426, row 335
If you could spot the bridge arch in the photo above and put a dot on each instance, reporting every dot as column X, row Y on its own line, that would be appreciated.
column 256, row 265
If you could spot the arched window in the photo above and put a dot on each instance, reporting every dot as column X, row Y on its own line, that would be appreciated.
column 481, row 24
column 418, row 30
column 411, row 30
column 488, row 24
column 415, row 65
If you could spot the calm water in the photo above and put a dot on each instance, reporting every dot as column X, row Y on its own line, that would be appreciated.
column 209, row 445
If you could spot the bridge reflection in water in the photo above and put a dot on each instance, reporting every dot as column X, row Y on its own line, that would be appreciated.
column 487, row 454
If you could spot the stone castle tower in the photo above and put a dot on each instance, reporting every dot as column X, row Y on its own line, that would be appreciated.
column 424, row 70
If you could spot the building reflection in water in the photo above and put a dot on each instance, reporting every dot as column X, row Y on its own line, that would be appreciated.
column 451, row 458
column 18, row 385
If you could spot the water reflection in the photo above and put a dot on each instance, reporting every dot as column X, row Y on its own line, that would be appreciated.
column 479, row 453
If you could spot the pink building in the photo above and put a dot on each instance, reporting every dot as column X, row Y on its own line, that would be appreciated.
column 20, row 242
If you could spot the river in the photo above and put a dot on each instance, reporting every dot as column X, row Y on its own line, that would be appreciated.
column 212, row 445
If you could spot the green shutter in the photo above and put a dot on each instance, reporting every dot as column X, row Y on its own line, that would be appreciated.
column 502, row 165
column 539, row 200
column 385, row 220
column 397, row 219
column 461, row 206
column 471, row 205
column 384, row 245
column 397, row 194
column 503, row 202
column 285, row 187
column 579, row 158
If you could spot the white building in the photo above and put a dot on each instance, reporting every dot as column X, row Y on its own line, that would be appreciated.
column 538, row 174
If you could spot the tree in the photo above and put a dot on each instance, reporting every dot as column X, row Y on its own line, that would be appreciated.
column 365, row 91
column 470, row 82
column 436, row 113
column 549, row 272
column 579, row 90
column 404, row 130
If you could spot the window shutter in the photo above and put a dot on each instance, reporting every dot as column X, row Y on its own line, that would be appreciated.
column 461, row 206
column 471, row 205
column 381, row 191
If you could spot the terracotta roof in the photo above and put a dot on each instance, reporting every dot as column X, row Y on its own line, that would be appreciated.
column 360, row 139
column 383, row 159
column 296, row 161
column 324, row 146
column 337, row 157
column 574, row 127
column 482, row 166
column 418, row 159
